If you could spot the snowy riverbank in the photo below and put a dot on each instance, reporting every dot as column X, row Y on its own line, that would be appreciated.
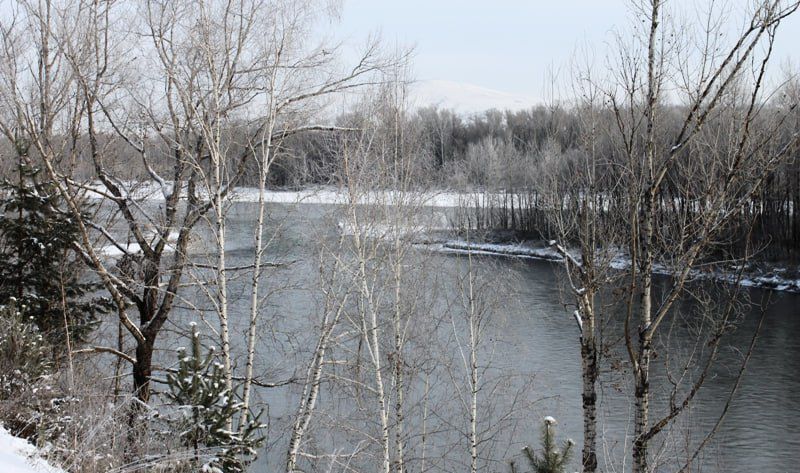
column 770, row 277
column 775, row 278
column 153, row 191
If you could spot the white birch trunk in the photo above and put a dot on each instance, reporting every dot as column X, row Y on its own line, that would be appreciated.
column 398, row 361
column 370, row 333
column 257, row 264
column 473, row 371
column 308, row 400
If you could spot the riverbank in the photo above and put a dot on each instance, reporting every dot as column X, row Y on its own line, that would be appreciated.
column 156, row 192
column 779, row 277
column 761, row 275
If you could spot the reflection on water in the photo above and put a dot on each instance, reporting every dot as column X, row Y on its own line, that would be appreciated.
column 534, row 335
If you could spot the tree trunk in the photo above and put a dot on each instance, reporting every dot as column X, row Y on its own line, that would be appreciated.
column 473, row 408
column 222, row 294
column 380, row 391
column 142, row 370
column 589, row 362
column 642, row 406
column 399, row 345
column 310, row 393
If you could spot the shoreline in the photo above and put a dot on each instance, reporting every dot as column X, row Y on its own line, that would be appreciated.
column 773, row 277
column 776, row 277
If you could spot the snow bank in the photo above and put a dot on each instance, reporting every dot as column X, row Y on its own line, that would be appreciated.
column 508, row 249
column 331, row 195
column 18, row 456
column 774, row 279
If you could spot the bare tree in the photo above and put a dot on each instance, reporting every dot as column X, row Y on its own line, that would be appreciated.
column 575, row 189
column 713, row 87
column 201, row 85
column 381, row 291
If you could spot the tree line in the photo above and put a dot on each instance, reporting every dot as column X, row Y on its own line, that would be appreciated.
column 129, row 126
column 502, row 153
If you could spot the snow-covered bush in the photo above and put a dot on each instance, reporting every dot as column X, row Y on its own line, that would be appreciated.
column 24, row 355
column 27, row 396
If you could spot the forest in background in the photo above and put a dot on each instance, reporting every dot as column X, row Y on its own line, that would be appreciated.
column 504, row 154
column 196, row 98
column 508, row 154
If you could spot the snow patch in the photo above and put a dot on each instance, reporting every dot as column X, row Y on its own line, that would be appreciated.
column 18, row 456
column 113, row 251
column 507, row 249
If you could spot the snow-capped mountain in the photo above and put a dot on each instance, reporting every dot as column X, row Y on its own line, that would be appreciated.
column 465, row 98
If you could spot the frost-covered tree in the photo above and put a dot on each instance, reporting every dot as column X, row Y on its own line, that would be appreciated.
column 204, row 409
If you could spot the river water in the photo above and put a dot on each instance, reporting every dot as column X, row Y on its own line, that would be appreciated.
column 531, row 350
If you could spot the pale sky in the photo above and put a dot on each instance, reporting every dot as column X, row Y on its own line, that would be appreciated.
column 510, row 45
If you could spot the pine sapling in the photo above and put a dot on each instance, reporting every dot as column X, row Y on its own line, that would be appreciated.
column 552, row 459
column 205, row 406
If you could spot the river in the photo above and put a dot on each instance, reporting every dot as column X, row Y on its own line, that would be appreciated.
column 533, row 366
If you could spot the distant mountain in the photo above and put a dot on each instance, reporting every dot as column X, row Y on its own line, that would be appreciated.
column 465, row 98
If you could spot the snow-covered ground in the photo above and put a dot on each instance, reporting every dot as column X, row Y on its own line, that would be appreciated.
column 113, row 251
column 152, row 191
column 18, row 456
column 516, row 250
column 331, row 195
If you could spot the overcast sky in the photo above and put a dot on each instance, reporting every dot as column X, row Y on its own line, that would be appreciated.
column 511, row 45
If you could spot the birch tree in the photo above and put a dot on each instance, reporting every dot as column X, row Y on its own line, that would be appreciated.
column 576, row 189
column 724, row 83
column 474, row 313
column 380, row 294
column 196, row 86
column 287, row 87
